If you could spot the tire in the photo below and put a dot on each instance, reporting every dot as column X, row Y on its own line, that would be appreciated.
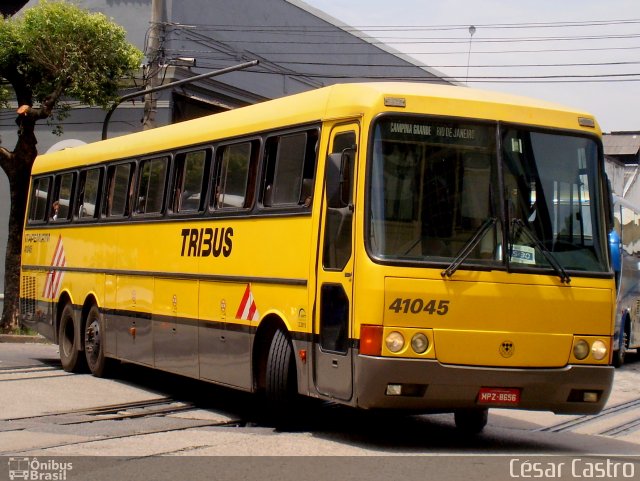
column 620, row 354
column 99, row 365
column 471, row 421
column 281, row 386
column 70, row 357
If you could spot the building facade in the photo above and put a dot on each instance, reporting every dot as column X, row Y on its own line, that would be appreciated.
column 297, row 46
column 622, row 156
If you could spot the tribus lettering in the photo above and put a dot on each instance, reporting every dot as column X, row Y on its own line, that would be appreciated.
column 205, row 242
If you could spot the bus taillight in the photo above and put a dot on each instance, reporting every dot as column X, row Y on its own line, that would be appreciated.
column 371, row 340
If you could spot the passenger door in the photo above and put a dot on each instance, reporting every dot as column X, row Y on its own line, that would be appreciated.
column 332, row 325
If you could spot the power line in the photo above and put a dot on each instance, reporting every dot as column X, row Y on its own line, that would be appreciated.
column 316, row 52
column 438, row 40
column 218, row 47
column 204, row 54
column 386, row 28
column 628, row 76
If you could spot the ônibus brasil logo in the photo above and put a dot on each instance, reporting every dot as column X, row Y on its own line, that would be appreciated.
column 34, row 469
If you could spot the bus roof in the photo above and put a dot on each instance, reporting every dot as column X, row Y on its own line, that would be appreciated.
column 336, row 101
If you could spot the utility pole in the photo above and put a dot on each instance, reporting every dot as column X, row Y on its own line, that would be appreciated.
column 155, row 60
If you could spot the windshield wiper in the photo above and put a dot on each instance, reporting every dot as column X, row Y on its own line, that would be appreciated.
column 469, row 246
column 564, row 277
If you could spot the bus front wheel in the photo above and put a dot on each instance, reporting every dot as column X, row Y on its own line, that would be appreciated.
column 68, row 343
column 281, row 380
column 471, row 421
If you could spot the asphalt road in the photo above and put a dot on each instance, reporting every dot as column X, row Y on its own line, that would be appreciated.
column 142, row 416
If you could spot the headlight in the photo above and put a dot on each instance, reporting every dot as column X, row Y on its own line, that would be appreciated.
column 394, row 341
column 598, row 350
column 419, row 343
column 581, row 349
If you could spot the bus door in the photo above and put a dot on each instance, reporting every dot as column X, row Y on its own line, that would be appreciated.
column 332, row 325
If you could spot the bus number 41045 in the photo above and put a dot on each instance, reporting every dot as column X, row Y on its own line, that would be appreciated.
column 417, row 306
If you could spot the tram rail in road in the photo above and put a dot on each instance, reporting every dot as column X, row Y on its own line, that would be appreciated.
column 612, row 414
column 144, row 412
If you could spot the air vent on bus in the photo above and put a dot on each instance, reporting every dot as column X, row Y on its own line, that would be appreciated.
column 28, row 298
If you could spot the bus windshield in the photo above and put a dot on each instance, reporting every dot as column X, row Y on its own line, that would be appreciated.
column 440, row 190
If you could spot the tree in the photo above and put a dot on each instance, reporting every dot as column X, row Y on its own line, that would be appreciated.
column 54, row 51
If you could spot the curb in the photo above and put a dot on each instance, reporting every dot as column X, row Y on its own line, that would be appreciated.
column 22, row 339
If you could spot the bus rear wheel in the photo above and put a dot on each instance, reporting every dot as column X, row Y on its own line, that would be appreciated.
column 471, row 421
column 99, row 365
column 70, row 357
column 281, row 380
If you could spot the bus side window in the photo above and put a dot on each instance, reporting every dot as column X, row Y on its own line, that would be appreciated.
column 235, row 175
column 39, row 196
column 62, row 197
column 90, row 185
column 188, row 186
column 118, row 190
column 289, row 169
column 151, row 185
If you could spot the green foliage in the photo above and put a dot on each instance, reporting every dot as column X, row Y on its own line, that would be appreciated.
column 8, row 50
column 59, row 48
column 4, row 94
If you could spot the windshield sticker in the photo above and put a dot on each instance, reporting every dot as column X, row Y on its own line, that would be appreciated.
column 523, row 254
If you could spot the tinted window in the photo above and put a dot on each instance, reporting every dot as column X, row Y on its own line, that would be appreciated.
column 552, row 181
column 234, row 164
column 89, row 193
column 63, row 195
column 188, row 183
column 39, row 196
column 153, row 174
column 118, row 188
column 339, row 217
column 290, row 169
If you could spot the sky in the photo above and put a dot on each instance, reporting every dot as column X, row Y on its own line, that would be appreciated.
column 584, row 54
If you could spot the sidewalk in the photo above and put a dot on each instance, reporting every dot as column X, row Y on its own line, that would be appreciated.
column 23, row 339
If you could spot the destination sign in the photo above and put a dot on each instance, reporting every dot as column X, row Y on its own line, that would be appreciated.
column 437, row 133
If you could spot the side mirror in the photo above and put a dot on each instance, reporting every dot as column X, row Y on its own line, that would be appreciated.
column 338, row 178
column 346, row 171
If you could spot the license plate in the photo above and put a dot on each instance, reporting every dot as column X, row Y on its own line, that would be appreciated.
column 499, row 396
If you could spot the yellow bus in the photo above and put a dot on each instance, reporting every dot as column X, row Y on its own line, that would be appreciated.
column 406, row 246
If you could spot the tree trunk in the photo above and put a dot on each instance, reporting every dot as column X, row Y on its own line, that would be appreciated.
column 17, row 166
column 18, row 188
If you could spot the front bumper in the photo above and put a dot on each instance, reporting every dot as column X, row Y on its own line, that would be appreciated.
column 440, row 387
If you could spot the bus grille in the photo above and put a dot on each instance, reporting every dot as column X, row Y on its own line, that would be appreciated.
column 28, row 298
